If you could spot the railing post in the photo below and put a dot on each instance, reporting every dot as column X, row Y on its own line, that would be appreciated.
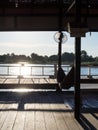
column 8, row 70
column 42, row 70
column 31, row 70
column 20, row 71
column 89, row 71
column 55, row 70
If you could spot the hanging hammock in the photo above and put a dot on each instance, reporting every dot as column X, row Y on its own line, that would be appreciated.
column 64, row 81
column 68, row 80
column 60, row 75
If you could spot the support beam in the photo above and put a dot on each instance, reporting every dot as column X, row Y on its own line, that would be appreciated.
column 71, row 6
column 60, row 50
column 60, row 44
column 77, row 65
column 60, row 19
column 60, row 31
column 77, row 60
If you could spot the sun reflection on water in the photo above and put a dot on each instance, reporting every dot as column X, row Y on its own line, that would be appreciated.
column 21, row 69
column 25, row 71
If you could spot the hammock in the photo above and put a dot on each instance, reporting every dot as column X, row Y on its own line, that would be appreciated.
column 68, row 80
column 65, row 81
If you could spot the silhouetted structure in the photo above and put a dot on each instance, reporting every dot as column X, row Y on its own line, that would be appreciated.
column 76, row 17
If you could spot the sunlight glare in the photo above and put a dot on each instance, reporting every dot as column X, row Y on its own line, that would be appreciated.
column 25, row 71
column 21, row 69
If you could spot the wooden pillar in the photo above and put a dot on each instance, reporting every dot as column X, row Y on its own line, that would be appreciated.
column 77, row 64
column 60, row 50
column 60, row 2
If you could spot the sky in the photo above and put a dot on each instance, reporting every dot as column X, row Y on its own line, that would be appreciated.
column 43, row 43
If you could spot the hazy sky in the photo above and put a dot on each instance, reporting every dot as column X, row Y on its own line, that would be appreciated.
column 43, row 43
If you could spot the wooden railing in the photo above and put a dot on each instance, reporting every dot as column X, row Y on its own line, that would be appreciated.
column 42, row 70
column 28, row 70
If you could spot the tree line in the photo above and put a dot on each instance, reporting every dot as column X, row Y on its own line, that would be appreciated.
column 39, row 59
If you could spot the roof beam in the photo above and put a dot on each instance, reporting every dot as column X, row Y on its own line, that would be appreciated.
column 71, row 6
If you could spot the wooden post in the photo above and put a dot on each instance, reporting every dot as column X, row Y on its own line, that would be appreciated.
column 60, row 50
column 77, row 65
column 60, row 31
column 55, row 70
column 77, row 62
column 89, row 71
column 8, row 70
column 60, row 3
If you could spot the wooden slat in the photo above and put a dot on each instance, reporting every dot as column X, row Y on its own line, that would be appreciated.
column 40, row 80
column 71, row 123
column 61, row 124
column 50, row 122
column 26, row 81
column 39, row 119
column 43, row 81
column 3, row 114
column 30, row 117
column 92, row 120
column 51, row 80
column 2, row 80
column 3, row 118
column 35, row 80
column 9, row 120
column 14, row 81
column 19, row 121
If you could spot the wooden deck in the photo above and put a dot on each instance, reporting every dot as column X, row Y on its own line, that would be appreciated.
column 46, row 110
column 39, row 83
column 8, row 83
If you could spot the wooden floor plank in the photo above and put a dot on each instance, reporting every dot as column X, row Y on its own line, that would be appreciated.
column 48, row 114
column 3, row 108
column 9, row 122
column 67, row 114
column 36, row 80
column 2, row 80
column 19, row 121
column 21, row 81
column 91, row 119
column 39, row 120
column 29, row 121
column 26, row 81
column 52, row 80
column 69, row 117
column 43, row 81
column 30, row 114
column 3, row 118
column 14, row 81
column 96, row 115
column 39, row 115
column 60, row 122
column 50, row 121
column 9, row 119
